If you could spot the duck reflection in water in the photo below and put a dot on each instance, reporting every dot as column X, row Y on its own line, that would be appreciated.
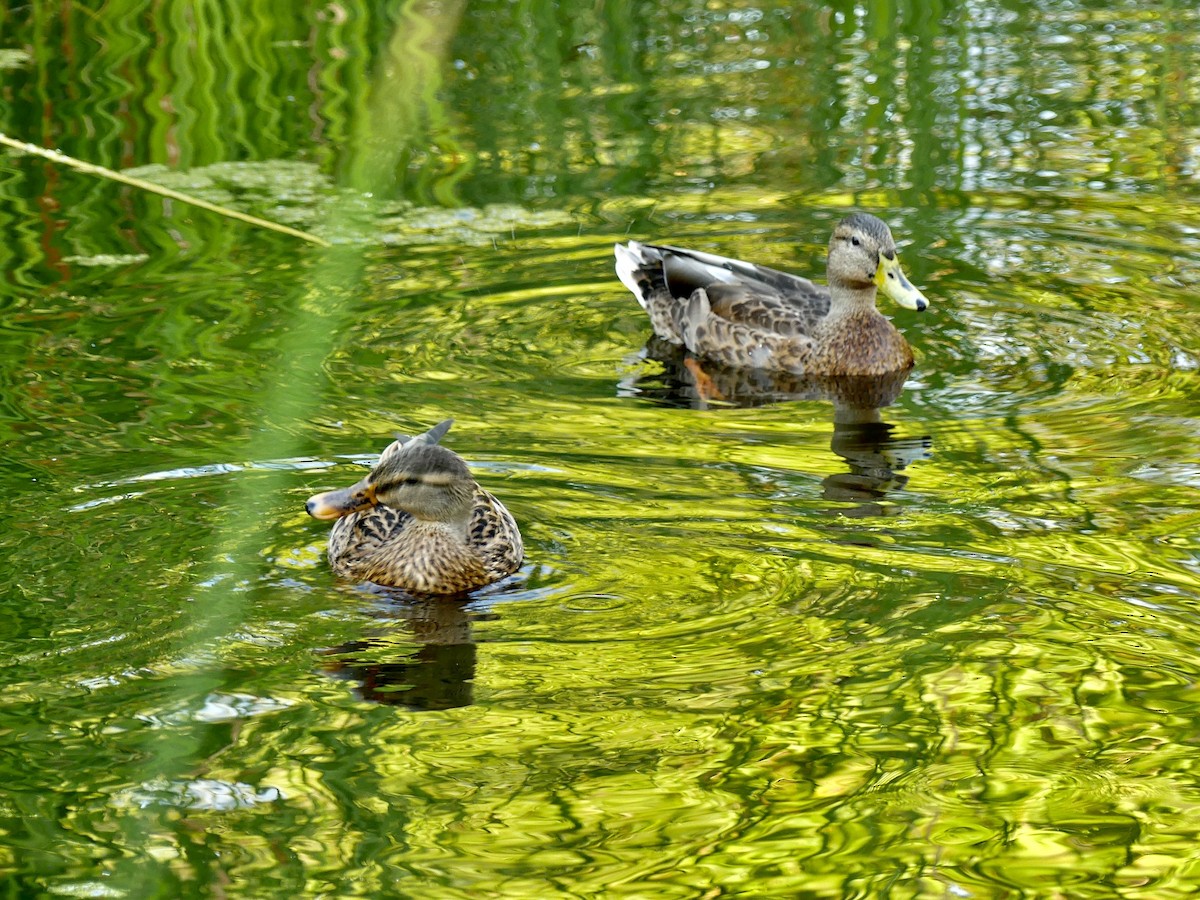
column 875, row 455
column 437, row 673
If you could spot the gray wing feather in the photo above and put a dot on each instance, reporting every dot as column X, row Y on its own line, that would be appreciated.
column 749, row 297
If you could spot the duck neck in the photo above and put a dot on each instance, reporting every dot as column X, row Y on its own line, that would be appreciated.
column 450, row 510
column 851, row 301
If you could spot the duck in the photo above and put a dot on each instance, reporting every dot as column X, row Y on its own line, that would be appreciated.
column 420, row 522
column 743, row 315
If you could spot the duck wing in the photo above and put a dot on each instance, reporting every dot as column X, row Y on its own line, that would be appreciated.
column 746, row 292
column 663, row 279
column 494, row 534
column 767, row 310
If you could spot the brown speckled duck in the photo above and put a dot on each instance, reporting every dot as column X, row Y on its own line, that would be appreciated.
column 420, row 522
column 743, row 315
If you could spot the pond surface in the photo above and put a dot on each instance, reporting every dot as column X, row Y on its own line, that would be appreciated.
column 761, row 645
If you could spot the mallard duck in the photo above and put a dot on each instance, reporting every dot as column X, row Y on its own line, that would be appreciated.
column 743, row 315
column 420, row 522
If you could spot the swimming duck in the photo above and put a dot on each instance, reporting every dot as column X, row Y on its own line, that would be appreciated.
column 420, row 522
column 744, row 315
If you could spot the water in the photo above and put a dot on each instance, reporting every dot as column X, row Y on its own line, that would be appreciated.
column 762, row 645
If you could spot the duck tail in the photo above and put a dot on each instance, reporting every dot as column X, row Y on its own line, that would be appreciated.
column 404, row 441
column 434, row 434
column 640, row 268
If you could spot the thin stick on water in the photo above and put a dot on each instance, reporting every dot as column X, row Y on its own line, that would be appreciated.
column 91, row 169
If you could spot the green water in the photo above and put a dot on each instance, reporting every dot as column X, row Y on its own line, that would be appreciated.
column 759, row 647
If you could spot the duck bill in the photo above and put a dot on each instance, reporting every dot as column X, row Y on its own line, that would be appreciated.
column 890, row 279
column 335, row 504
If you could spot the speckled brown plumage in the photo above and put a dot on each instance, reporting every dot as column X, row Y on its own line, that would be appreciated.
column 744, row 315
column 420, row 522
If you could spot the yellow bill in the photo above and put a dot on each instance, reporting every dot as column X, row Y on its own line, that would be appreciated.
column 890, row 279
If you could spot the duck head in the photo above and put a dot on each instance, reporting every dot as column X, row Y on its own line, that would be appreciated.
column 862, row 255
column 414, row 475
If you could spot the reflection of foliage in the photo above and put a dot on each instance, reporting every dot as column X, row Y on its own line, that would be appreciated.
column 547, row 99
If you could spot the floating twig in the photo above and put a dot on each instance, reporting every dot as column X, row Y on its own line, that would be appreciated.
column 91, row 169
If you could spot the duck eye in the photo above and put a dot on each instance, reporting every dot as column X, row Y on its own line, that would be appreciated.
column 856, row 242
